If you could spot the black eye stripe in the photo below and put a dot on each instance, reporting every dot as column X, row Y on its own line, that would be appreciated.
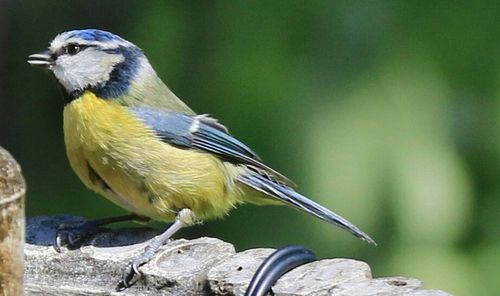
column 81, row 46
column 63, row 50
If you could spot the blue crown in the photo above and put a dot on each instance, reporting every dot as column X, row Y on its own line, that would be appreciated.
column 94, row 35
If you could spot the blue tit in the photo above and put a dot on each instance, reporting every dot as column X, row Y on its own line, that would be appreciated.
column 131, row 139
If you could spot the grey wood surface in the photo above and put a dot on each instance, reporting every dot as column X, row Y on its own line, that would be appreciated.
column 204, row 266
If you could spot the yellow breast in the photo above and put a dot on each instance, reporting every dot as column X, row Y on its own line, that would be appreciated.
column 118, row 156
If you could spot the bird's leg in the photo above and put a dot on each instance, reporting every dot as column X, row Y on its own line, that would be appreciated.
column 184, row 218
column 72, row 235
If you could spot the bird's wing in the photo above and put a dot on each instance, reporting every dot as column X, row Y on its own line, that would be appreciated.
column 206, row 134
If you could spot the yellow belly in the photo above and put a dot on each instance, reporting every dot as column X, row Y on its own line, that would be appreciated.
column 118, row 156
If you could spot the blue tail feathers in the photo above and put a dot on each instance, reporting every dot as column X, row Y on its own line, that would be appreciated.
column 295, row 199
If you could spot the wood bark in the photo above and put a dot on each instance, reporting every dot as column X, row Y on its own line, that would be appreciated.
column 12, row 191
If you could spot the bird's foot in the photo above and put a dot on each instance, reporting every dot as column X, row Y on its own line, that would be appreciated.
column 185, row 217
column 132, row 268
column 72, row 236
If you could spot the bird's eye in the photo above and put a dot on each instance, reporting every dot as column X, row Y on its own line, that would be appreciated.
column 73, row 49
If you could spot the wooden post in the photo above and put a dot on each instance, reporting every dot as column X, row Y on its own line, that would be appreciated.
column 12, row 191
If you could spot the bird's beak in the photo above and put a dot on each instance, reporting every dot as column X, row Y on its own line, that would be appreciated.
column 41, row 60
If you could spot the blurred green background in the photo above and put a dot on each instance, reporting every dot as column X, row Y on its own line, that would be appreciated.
column 385, row 111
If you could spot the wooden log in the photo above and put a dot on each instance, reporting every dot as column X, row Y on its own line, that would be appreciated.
column 204, row 266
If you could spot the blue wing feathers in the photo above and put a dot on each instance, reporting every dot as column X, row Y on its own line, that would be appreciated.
column 211, row 134
column 205, row 134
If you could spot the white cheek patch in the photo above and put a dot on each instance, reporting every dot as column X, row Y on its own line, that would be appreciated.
column 88, row 68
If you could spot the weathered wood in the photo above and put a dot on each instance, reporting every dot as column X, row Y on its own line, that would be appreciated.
column 12, row 191
column 204, row 266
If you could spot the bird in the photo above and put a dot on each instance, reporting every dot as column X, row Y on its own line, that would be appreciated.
column 129, row 138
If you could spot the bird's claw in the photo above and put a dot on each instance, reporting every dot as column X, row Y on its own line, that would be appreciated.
column 72, row 237
column 131, row 270
column 135, row 268
column 127, row 277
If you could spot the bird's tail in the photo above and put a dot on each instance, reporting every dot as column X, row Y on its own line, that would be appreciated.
column 289, row 196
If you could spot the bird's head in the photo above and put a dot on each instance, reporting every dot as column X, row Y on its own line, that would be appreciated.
column 91, row 60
